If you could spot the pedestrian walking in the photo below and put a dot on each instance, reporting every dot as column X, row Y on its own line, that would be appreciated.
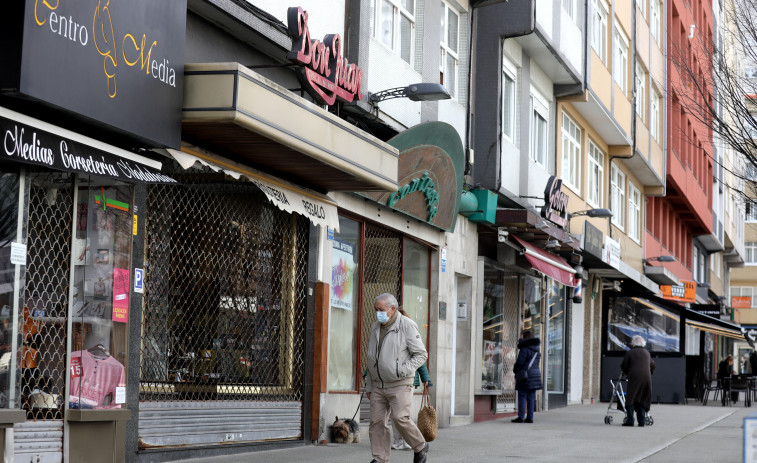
column 421, row 377
column 395, row 352
column 638, row 366
column 527, row 376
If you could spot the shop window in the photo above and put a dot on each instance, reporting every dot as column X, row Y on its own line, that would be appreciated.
column 224, row 316
column 500, row 330
column 101, row 289
column 630, row 316
column 555, row 362
column 345, row 263
column 11, row 276
column 532, row 297
column 415, row 289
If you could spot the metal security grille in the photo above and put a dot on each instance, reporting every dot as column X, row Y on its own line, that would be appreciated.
column 383, row 274
column 506, row 400
column 43, row 350
column 225, row 295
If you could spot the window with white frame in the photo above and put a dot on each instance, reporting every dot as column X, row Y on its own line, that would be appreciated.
column 654, row 19
column 641, row 90
column 699, row 264
column 539, row 129
column 618, row 198
column 571, row 153
column 595, row 182
column 654, row 115
column 509, row 79
column 620, row 59
column 394, row 26
column 745, row 291
column 642, row 4
column 599, row 28
column 450, row 60
column 751, row 252
column 634, row 212
column 571, row 7
column 750, row 208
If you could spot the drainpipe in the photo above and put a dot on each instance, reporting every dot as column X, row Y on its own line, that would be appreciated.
column 633, row 103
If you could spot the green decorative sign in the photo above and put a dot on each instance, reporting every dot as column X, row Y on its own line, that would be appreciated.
column 431, row 165
column 424, row 184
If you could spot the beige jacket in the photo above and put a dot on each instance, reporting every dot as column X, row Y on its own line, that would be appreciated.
column 402, row 352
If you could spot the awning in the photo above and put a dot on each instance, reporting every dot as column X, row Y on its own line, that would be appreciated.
column 32, row 141
column 713, row 325
column 319, row 208
column 549, row 264
column 231, row 109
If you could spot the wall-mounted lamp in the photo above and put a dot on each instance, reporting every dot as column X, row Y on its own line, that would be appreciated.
column 591, row 213
column 703, row 285
column 648, row 260
column 414, row 92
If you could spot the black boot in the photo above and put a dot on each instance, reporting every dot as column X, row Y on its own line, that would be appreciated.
column 629, row 415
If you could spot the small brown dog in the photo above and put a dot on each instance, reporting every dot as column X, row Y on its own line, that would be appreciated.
column 346, row 431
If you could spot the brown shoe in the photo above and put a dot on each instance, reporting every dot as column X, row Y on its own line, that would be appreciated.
column 420, row 457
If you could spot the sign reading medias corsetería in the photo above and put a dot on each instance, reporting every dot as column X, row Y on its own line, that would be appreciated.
column 117, row 62
column 30, row 145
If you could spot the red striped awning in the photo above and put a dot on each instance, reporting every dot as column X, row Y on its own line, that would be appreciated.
column 549, row 264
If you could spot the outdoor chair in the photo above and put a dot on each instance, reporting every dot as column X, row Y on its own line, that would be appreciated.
column 715, row 386
column 740, row 383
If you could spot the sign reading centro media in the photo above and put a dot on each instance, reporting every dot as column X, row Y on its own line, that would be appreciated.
column 30, row 145
column 117, row 62
column 555, row 202
column 686, row 292
column 328, row 75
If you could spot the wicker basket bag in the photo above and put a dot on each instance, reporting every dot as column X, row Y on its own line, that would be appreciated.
column 427, row 418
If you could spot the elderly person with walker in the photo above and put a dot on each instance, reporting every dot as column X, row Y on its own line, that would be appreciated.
column 638, row 366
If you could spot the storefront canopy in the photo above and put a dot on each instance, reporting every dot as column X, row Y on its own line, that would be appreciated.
column 713, row 325
column 231, row 109
column 319, row 208
column 549, row 264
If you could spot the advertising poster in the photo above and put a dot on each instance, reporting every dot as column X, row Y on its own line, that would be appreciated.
column 120, row 295
column 342, row 275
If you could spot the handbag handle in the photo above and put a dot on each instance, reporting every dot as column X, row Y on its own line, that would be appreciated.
column 425, row 401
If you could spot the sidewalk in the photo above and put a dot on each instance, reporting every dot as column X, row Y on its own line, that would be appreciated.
column 681, row 433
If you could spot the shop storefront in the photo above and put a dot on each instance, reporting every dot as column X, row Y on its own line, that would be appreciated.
column 68, row 224
column 683, row 343
column 398, row 244
column 526, row 287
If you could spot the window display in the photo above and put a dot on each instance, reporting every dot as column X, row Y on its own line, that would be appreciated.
column 415, row 292
column 11, row 276
column 100, row 306
column 345, row 258
column 555, row 361
column 629, row 316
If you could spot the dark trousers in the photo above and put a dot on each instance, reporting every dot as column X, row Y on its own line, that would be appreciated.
column 639, row 408
column 526, row 403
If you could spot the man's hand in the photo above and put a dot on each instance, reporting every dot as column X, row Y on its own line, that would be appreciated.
column 368, row 394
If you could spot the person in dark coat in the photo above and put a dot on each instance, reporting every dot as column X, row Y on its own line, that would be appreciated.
column 528, row 350
column 725, row 370
column 638, row 366
column 753, row 363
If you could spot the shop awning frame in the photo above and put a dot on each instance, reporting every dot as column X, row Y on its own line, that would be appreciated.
column 713, row 325
column 549, row 264
column 319, row 208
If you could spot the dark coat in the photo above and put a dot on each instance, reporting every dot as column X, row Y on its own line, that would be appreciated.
column 724, row 369
column 527, row 349
column 639, row 366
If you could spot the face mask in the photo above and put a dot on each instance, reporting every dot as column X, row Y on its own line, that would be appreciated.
column 383, row 317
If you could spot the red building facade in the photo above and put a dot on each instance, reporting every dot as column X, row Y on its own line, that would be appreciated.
column 675, row 221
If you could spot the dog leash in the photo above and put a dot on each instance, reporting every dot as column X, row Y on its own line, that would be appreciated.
column 359, row 401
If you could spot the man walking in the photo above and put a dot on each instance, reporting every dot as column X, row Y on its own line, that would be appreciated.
column 395, row 351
